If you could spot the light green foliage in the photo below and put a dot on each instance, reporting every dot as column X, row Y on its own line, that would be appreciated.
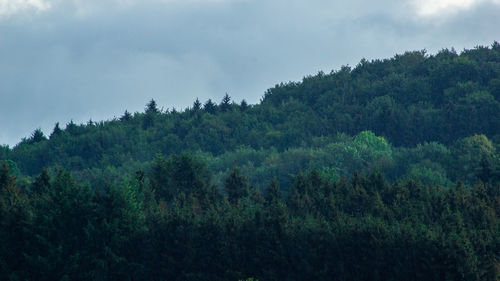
column 363, row 152
column 466, row 156
column 429, row 173
column 371, row 148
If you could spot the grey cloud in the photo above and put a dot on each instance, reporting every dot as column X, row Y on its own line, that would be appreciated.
column 65, row 64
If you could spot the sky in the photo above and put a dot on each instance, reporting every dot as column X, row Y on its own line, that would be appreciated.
column 63, row 60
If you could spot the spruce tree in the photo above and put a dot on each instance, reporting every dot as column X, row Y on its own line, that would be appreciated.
column 243, row 105
column 236, row 186
column 126, row 116
column 151, row 107
column 273, row 192
column 225, row 104
column 56, row 131
column 210, row 107
column 6, row 179
column 197, row 105
column 42, row 183
column 37, row 136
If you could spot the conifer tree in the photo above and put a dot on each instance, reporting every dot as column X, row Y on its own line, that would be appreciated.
column 197, row 105
column 243, row 105
column 126, row 116
column 37, row 136
column 6, row 179
column 56, row 131
column 225, row 104
column 210, row 107
column 151, row 107
column 236, row 186
column 273, row 191
column 15, row 219
column 42, row 183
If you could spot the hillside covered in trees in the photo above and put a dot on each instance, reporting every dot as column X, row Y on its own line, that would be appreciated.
column 386, row 171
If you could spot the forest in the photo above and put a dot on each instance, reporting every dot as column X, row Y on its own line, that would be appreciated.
column 389, row 170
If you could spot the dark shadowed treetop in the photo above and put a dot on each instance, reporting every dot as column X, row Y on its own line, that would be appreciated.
column 56, row 131
column 225, row 104
column 151, row 107
column 37, row 136
column 210, row 106
column 196, row 105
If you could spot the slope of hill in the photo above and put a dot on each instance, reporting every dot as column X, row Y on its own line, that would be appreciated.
column 292, row 188
column 411, row 100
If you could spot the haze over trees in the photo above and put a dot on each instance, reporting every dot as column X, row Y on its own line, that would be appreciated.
column 386, row 171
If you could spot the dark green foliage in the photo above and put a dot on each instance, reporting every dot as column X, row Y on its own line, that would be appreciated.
column 56, row 131
column 41, row 184
column 151, row 107
column 196, row 105
column 179, row 174
column 236, row 186
column 127, row 116
column 15, row 220
column 358, row 229
column 37, row 136
column 150, row 115
column 225, row 104
column 243, row 105
column 6, row 179
column 210, row 107
column 273, row 192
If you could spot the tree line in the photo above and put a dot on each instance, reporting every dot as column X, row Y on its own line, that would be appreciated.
column 410, row 99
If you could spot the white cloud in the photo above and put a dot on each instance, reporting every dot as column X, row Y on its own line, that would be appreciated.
column 10, row 7
column 86, row 8
column 430, row 8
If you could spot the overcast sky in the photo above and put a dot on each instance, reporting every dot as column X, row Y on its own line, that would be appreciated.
column 63, row 60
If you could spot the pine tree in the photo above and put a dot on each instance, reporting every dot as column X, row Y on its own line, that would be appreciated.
column 72, row 128
column 236, row 186
column 151, row 107
column 15, row 219
column 178, row 174
column 126, row 116
column 210, row 107
column 56, row 131
column 37, row 136
column 6, row 179
column 225, row 104
column 273, row 192
column 42, row 183
column 197, row 105
column 243, row 105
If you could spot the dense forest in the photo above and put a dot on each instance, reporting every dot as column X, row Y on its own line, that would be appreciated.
column 386, row 171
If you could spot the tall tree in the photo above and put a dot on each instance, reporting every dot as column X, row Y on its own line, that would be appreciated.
column 236, row 186
column 6, row 179
column 151, row 107
column 41, row 185
column 225, row 104
column 37, row 136
column 126, row 116
column 196, row 105
column 210, row 107
column 56, row 131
